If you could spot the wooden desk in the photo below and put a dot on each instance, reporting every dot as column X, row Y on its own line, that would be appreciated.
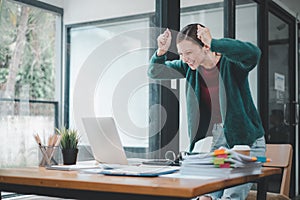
column 93, row 186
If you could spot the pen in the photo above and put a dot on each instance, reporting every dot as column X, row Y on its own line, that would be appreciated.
column 55, row 140
column 38, row 140
column 263, row 159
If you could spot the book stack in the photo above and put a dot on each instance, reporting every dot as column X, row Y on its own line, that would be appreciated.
column 223, row 163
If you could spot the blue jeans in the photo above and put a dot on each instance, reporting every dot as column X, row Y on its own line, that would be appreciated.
column 240, row 192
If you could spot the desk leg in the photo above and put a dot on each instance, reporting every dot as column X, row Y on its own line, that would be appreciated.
column 262, row 189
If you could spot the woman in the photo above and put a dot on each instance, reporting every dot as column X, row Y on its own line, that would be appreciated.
column 218, row 96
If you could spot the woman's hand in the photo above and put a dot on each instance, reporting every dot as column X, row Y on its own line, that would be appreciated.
column 204, row 35
column 164, row 42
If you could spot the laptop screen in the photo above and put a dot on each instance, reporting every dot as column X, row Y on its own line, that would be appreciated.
column 104, row 139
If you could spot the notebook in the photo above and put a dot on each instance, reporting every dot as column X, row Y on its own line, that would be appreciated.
column 107, row 149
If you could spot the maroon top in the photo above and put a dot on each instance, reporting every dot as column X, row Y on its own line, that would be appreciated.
column 210, row 92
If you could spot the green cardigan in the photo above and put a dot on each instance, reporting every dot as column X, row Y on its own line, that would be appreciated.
column 242, row 123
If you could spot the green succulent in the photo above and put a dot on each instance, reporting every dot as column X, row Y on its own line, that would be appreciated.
column 69, row 138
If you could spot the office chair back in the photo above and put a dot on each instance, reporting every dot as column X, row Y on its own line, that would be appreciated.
column 281, row 156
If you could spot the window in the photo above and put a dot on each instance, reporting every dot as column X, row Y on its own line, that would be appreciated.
column 108, row 77
column 30, row 83
column 246, row 30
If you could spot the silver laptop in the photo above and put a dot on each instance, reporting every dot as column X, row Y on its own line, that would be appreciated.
column 104, row 139
column 107, row 148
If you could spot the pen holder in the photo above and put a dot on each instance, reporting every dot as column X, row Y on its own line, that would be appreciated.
column 49, row 155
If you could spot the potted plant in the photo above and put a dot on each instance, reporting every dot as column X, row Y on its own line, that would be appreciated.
column 69, row 139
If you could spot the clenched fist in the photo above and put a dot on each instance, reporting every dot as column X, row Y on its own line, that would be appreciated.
column 204, row 35
column 164, row 42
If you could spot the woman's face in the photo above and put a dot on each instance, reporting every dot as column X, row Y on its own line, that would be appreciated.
column 190, row 53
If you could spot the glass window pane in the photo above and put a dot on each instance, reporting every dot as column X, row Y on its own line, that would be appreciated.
column 108, row 77
column 279, row 96
column 29, row 89
column 246, row 30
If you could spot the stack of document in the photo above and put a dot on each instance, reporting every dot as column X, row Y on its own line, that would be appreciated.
column 221, row 163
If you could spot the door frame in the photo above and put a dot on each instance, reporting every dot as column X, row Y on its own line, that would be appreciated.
column 266, row 7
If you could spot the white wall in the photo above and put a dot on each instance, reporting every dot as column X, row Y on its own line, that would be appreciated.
column 76, row 11
column 187, row 3
column 57, row 3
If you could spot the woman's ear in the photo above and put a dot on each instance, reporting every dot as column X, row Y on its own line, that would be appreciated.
column 206, row 48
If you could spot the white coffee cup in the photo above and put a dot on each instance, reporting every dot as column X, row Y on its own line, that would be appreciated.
column 242, row 149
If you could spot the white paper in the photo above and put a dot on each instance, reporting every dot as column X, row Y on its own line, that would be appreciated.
column 279, row 80
column 78, row 166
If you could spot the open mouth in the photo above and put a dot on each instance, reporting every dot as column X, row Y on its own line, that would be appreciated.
column 191, row 64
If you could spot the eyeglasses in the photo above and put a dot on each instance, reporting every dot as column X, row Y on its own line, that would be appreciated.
column 174, row 159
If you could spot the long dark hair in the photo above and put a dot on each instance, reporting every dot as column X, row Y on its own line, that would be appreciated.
column 189, row 32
